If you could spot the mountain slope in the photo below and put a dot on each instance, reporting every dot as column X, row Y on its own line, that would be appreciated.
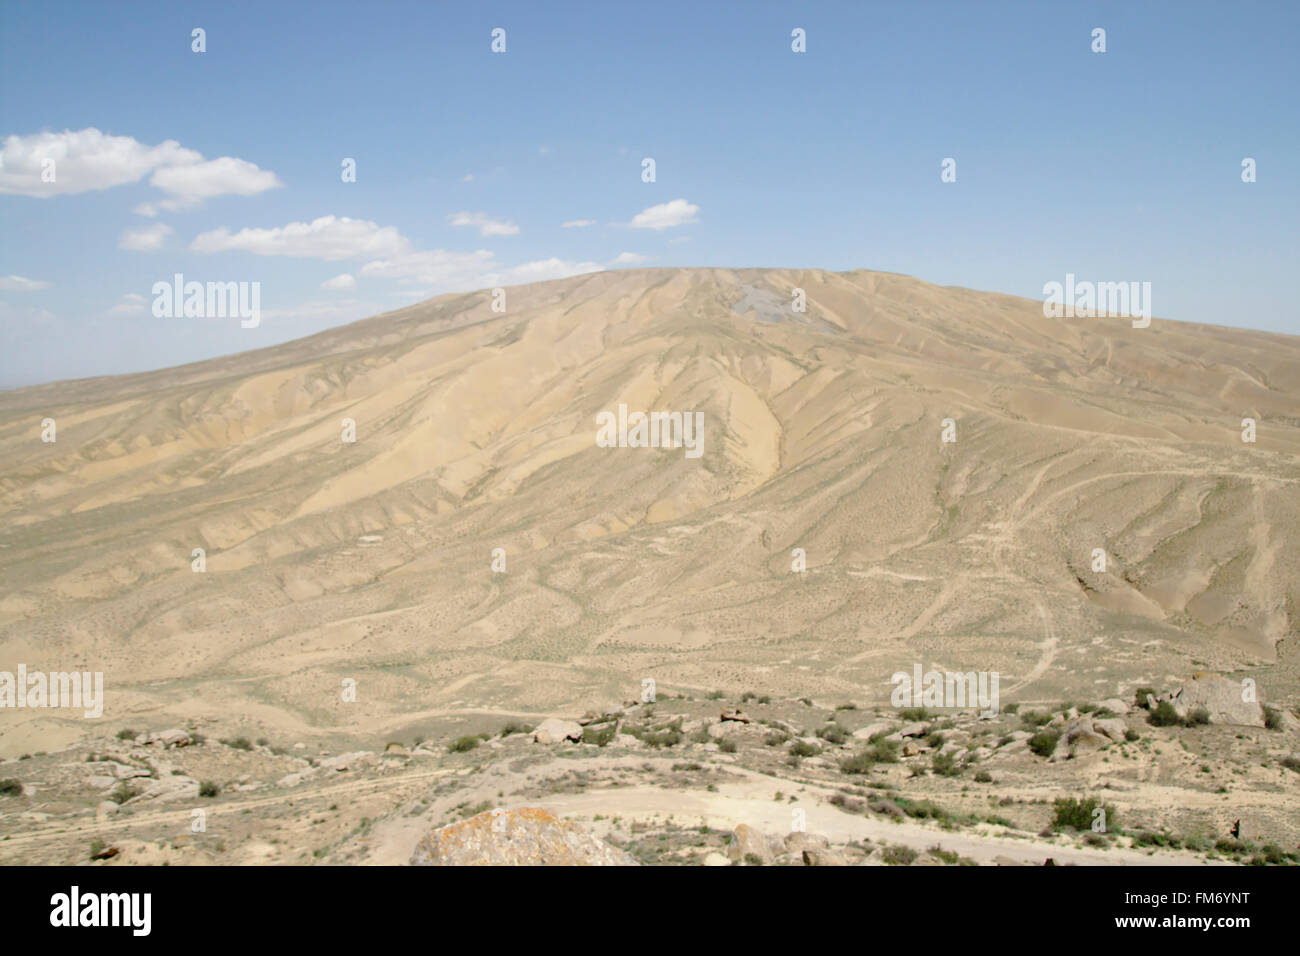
column 372, row 559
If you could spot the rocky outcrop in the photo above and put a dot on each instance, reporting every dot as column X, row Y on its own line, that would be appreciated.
column 1221, row 697
column 556, row 731
column 528, row 836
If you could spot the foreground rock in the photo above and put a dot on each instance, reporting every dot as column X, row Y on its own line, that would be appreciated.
column 556, row 731
column 1221, row 697
column 528, row 836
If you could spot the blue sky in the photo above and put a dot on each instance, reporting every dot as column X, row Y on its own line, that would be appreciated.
column 1116, row 166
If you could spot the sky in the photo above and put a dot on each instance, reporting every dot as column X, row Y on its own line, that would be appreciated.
column 476, row 168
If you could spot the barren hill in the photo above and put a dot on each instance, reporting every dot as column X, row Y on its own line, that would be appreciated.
column 373, row 560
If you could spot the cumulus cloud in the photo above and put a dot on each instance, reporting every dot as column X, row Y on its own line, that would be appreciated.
column 486, row 225
column 679, row 212
column 146, row 238
column 433, row 267
column 59, row 164
column 189, row 185
column 131, row 303
column 577, row 223
column 344, row 282
column 629, row 259
column 21, row 284
column 330, row 238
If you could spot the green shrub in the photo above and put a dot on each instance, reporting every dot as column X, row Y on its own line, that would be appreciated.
column 1033, row 719
column 898, row 855
column 801, row 748
column 126, row 734
column 208, row 789
column 983, row 776
column 238, row 743
column 884, row 751
column 462, row 745
column 945, row 765
column 914, row 713
column 1197, row 717
column 599, row 736
column 833, row 733
column 1044, row 742
column 1164, row 715
column 10, row 787
column 1078, row 814
column 1140, row 696
column 123, row 792
column 726, row 746
column 514, row 727
column 860, row 762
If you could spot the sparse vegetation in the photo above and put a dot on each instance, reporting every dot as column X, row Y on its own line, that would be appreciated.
column 463, row 745
column 1044, row 742
column 1073, row 813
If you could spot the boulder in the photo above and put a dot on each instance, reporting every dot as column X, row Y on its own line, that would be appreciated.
column 798, row 841
column 1078, row 737
column 527, row 836
column 914, row 729
column 167, row 789
column 747, row 841
column 1117, row 706
column 556, row 731
column 1112, row 727
column 736, row 714
column 171, row 738
column 352, row 761
column 1221, row 697
column 873, row 728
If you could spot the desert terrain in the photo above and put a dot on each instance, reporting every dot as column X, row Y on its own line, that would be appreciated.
column 476, row 560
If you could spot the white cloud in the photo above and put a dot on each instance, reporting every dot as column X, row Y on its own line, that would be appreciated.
column 467, row 178
column 487, row 226
column 629, row 259
column 227, row 176
column 666, row 215
column 21, row 284
column 131, row 303
column 539, row 271
column 577, row 223
column 83, row 161
column 87, row 160
column 330, row 238
column 146, row 238
column 433, row 267
column 344, row 282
